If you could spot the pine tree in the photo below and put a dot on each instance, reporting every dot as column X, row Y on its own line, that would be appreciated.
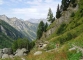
column 72, row 1
column 40, row 29
column 45, row 27
column 53, row 20
column 50, row 15
column 58, row 12
column 65, row 4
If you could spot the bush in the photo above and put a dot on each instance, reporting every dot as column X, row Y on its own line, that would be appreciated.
column 22, row 43
column 73, row 14
column 61, row 28
column 50, row 46
column 65, row 38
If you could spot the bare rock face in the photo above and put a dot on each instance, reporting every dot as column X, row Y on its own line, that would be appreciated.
column 27, row 28
column 64, row 18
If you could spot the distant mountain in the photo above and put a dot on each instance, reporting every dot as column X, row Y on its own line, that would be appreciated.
column 38, row 20
column 8, row 34
column 28, row 29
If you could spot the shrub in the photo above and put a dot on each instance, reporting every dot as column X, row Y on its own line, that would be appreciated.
column 61, row 28
column 22, row 43
column 73, row 14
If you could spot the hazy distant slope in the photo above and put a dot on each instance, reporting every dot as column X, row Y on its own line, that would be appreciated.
column 26, row 28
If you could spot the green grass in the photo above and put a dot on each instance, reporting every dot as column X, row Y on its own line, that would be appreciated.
column 66, row 35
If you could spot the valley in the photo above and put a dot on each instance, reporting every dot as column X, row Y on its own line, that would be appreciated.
column 62, row 39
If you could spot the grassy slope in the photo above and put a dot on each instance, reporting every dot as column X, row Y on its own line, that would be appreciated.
column 71, row 35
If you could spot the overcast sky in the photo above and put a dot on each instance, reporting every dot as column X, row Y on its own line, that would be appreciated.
column 26, row 9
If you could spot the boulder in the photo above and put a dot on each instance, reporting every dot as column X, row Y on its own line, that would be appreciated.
column 24, row 50
column 71, row 49
column 38, row 53
column 7, row 51
column 11, row 56
column 1, row 53
column 22, row 58
column 18, row 50
column 21, row 52
column 5, row 56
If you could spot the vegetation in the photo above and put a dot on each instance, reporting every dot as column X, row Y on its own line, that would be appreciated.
column 8, row 34
column 50, row 17
column 58, row 13
column 45, row 27
column 67, row 36
column 22, row 43
column 41, row 28
column 65, row 4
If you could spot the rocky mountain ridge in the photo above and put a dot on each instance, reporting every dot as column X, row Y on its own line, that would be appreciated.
column 8, row 34
column 28, row 29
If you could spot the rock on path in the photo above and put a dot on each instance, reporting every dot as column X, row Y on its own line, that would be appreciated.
column 38, row 53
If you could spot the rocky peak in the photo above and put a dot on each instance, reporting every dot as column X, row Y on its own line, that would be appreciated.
column 25, row 27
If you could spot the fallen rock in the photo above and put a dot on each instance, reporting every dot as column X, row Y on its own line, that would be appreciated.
column 38, row 53
column 11, row 56
column 18, row 50
column 71, row 49
column 5, row 56
column 1, row 53
column 7, row 51
column 22, row 58
column 21, row 52
column 24, row 50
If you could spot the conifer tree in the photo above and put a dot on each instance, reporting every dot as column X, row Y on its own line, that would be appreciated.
column 65, row 4
column 50, row 15
column 72, row 1
column 58, row 12
column 40, row 29
column 45, row 27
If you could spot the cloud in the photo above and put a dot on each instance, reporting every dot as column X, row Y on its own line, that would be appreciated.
column 16, row 1
column 37, row 8
column 1, row 2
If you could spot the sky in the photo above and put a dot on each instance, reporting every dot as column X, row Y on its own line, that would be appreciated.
column 28, row 9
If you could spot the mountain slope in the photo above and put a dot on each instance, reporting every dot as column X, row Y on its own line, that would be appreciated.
column 64, row 37
column 28, row 29
column 8, row 34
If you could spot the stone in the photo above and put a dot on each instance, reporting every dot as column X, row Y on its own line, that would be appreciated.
column 5, row 56
column 18, row 50
column 11, row 56
column 7, row 51
column 24, row 50
column 1, row 53
column 37, row 53
column 22, row 58
column 21, row 52
column 71, row 49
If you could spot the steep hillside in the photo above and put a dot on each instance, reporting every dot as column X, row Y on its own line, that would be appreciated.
column 8, row 34
column 28, row 29
column 63, row 39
